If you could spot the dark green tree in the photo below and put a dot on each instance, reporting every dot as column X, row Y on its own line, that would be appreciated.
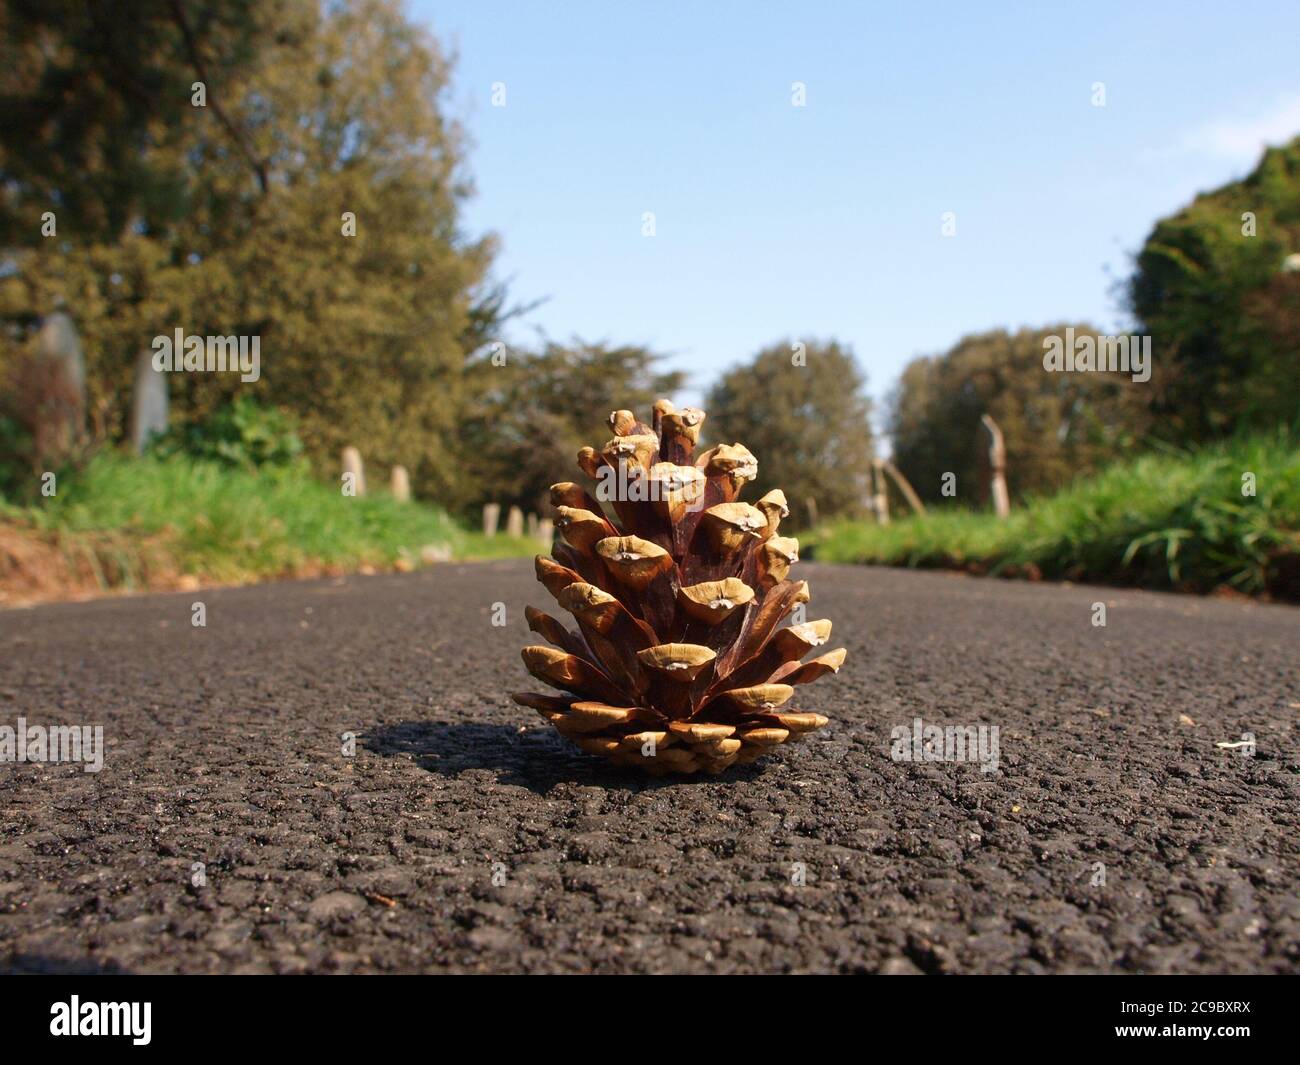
column 1209, row 287
column 802, row 409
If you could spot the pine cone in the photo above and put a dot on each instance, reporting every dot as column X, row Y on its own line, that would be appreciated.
column 679, row 663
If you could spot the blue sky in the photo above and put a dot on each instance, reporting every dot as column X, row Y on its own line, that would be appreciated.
column 773, row 220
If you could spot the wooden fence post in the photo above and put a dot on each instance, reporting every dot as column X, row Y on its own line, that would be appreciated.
column 353, row 465
column 998, row 462
column 149, row 402
column 880, row 498
column 400, row 484
column 904, row 486
column 515, row 522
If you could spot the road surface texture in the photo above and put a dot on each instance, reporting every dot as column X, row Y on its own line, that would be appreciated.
column 228, row 831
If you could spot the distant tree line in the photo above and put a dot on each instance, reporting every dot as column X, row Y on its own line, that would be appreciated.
column 799, row 406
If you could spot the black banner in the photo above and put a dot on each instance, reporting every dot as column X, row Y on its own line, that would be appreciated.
column 151, row 1013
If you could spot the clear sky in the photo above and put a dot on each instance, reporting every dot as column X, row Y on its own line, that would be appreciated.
column 825, row 220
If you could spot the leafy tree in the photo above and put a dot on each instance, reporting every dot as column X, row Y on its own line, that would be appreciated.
column 1209, row 288
column 1055, row 425
column 1272, row 316
column 229, row 219
column 96, row 99
column 803, row 411
column 529, row 415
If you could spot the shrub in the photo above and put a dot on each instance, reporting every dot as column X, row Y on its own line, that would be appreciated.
column 243, row 434
column 41, row 425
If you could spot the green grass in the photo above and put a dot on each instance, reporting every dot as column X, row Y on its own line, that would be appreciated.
column 1164, row 520
column 228, row 525
column 474, row 545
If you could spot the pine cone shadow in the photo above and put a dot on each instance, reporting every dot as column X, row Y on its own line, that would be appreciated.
column 537, row 759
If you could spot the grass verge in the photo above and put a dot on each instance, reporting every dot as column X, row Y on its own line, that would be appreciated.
column 1164, row 520
column 131, row 524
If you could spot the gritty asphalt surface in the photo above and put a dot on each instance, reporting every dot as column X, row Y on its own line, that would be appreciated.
column 464, row 835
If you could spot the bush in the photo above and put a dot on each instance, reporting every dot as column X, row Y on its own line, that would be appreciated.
column 41, row 419
column 243, row 434
column 1164, row 520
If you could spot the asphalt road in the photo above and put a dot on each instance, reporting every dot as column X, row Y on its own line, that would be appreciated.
column 1113, row 835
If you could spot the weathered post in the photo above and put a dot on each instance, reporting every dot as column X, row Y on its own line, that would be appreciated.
column 354, row 472
column 149, row 403
column 880, row 497
column 59, row 347
column 904, row 486
column 491, row 515
column 399, row 483
column 515, row 522
column 998, row 463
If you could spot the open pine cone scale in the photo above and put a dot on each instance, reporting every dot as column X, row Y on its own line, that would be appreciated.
column 680, row 662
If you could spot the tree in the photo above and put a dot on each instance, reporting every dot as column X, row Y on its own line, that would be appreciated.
column 313, row 203
column 802, row 409
column 97, row 108
column 1056, row 425
column 1208, row 287
column 529, row 414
